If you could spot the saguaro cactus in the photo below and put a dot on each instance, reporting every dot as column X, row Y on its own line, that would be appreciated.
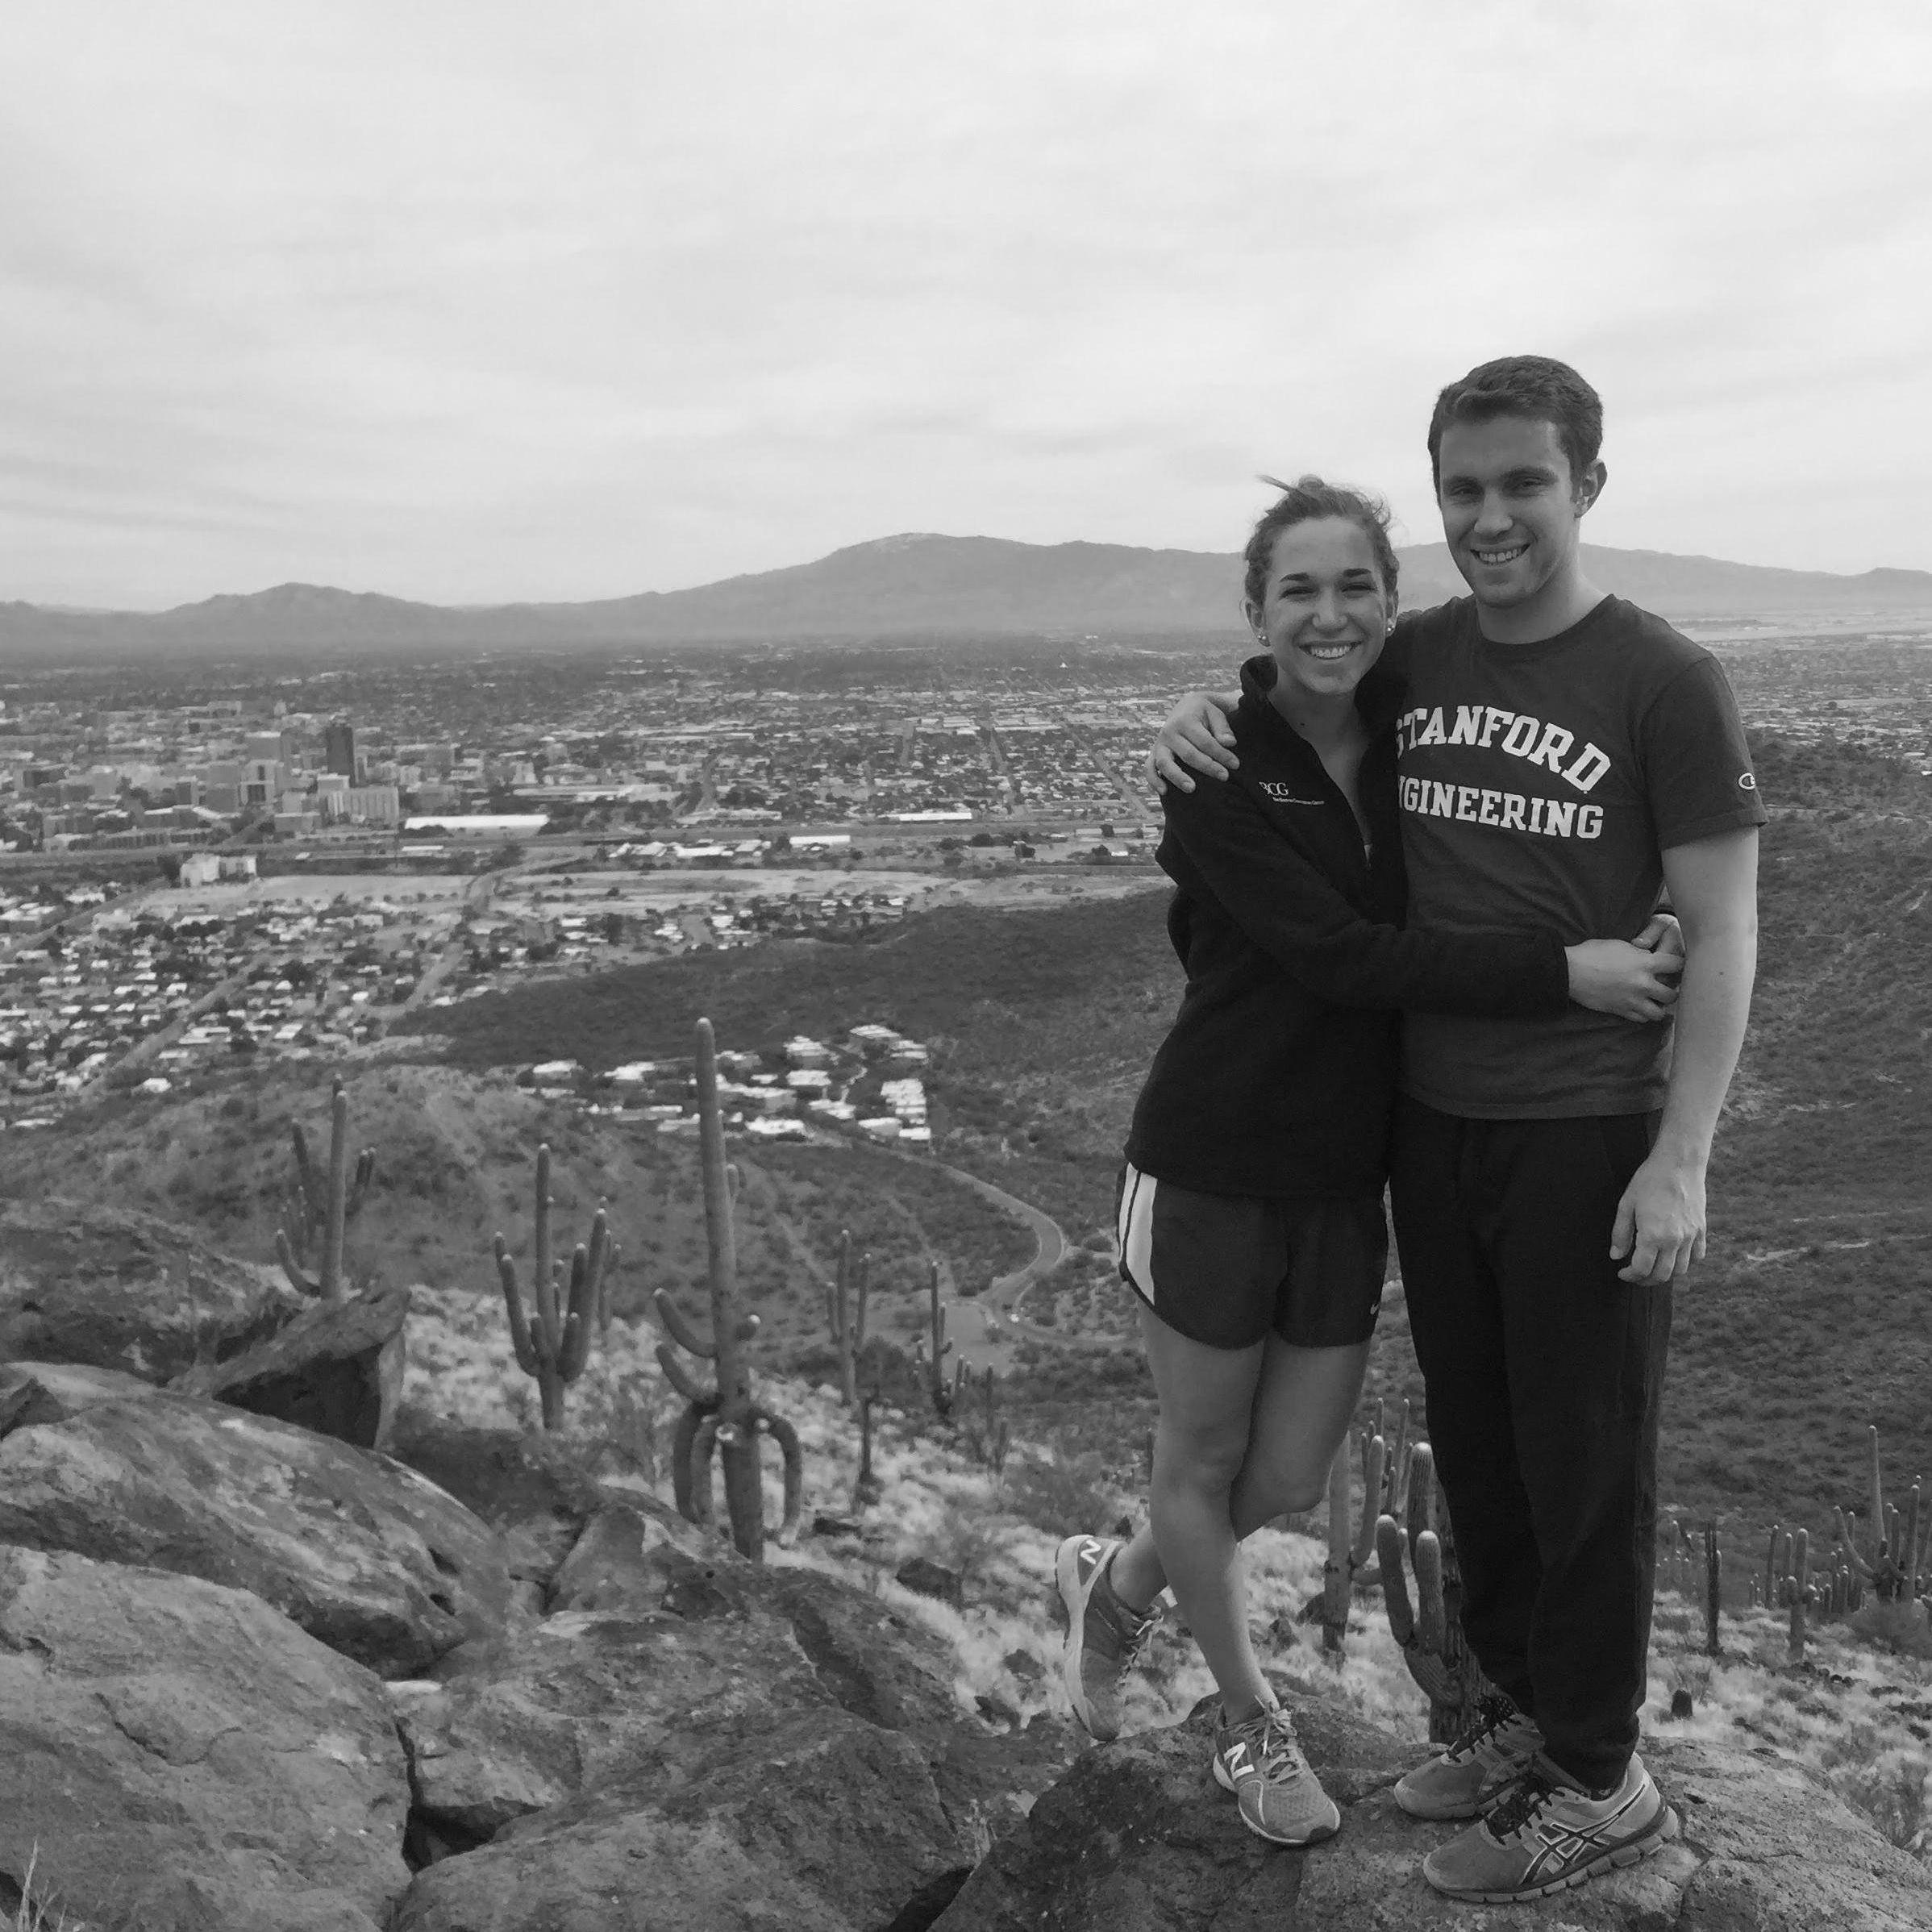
column 725, row 1418
column 1350, row 1544
column 845, row 1308
column 553, row 1343
column 1713, row 1581
column 1431, row 1630
column 318, row 1205
column 942, row 1389
column 1893, row 1564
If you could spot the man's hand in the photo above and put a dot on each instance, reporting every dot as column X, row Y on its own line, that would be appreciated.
column 1659, row 1222
column 1197, row 735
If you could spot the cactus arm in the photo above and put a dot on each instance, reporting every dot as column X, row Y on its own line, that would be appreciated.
column 1335, row 1572
column 686, row 1337
column 1373, row 1460
column 703, row 1440
column 1398, row 1464
column 681, row 1379
column 1421, row 1489
column 786, row 1436
column 576, row 1350
column 1878, row 1488
column 1432, row 1622
column 865, row 1272
column 683, row 1438
column 1395, row 1584
column 523, row 1331
column 338, row 1177
column 1859, row 1560
column 308, row 1187
column 359, row 1184
column 285, row 1253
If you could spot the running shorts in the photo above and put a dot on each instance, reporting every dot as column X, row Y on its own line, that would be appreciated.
column 1229, row 1270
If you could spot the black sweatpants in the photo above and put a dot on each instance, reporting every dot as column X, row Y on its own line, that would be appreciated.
column 1544, row 1375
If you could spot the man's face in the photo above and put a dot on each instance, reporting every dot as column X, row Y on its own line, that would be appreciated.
column 1511, row 509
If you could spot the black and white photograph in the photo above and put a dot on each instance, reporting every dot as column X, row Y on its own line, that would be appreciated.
column 965, row 969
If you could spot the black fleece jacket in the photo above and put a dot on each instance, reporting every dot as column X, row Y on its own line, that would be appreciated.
column 1278, row 1078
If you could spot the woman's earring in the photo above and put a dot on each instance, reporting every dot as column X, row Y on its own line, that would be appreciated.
column 1389, row 627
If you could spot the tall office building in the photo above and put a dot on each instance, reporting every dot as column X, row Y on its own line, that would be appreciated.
column 339, row 742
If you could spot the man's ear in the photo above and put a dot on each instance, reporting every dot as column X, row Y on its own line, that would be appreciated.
column 1590, row 487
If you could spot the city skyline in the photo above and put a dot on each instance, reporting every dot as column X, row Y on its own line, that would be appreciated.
column 468, row 307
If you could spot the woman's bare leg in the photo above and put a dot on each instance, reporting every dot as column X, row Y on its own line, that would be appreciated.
column 1303, row 1400
column 1207, row 1400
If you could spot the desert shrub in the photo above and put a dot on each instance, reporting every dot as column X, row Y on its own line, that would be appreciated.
column 1892, row 1797
column 1904, row 1628
column 1062, row 1494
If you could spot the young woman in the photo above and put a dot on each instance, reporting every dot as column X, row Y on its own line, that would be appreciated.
column 1250, row 1219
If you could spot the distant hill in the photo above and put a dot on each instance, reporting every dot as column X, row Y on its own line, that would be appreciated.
column 911, row 585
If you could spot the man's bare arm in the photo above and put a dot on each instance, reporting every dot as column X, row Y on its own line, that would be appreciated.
column 1196, row 734
column 1713, row 886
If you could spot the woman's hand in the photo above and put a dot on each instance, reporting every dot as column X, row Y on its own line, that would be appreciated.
column 1196, row 734
column 1664, row 936
column 1611, row 976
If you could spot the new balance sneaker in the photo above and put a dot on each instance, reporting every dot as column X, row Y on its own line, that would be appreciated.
column 1546, row 1836
column 1103, row 1635
column 1492, row 1750
column 1281, row 1800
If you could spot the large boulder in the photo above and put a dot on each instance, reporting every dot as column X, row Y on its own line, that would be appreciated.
column 628, row 1556
column 336, row 1367
column 80, row 1282
column 733, row 1746
column 811, row 1821
column 365, row 1554
column 1137, row 1837
column 177, row 1756
column 532, row 1486
column 587, row 1697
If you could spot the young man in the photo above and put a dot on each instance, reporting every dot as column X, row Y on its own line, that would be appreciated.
column 1561, row 755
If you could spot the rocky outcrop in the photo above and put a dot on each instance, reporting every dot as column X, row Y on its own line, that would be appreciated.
column 122, row 1289
column 626, row 1557
column 811, row 1820
column 774, row 1711
column 1139, row 1838
column 177, row 1756
column 363, row 1553
column 531, row 1486
column 336, row 1368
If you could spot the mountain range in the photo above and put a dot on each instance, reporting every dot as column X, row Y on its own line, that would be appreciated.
column 911, row 585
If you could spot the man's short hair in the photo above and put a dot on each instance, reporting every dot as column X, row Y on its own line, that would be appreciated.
column 1538, row 387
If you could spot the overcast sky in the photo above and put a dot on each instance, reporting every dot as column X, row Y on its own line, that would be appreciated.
column 479, row 301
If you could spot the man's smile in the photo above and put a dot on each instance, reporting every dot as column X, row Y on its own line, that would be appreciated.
column 1498, row 557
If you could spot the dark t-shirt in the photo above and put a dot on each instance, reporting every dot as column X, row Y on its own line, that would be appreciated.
column 1539, row 784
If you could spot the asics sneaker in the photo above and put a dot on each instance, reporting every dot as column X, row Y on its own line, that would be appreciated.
column 1547, row 1835
column 1492, row 1750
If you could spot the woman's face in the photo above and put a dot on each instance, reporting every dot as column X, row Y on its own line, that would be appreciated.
column 1324, row 615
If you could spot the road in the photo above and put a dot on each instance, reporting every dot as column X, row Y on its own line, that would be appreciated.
column 980, row 1327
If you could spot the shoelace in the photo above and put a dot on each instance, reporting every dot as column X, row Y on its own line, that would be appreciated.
column 1523, row 1805
column 1276, row 1751
column 1133, row 1629
column 1492, row 1713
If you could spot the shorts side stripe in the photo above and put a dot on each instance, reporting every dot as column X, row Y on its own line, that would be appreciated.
column 1136, row 1232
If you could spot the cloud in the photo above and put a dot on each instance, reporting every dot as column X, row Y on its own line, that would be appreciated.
column 464, row 302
